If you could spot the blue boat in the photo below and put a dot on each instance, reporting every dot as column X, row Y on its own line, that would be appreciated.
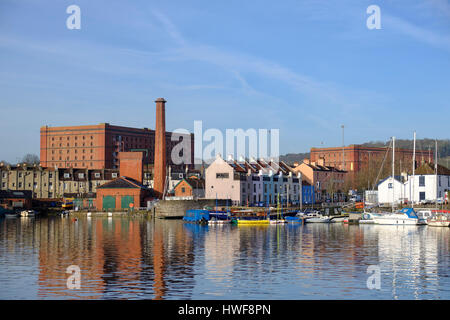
column 295, row 219
column 219, row 215
column 196, row 216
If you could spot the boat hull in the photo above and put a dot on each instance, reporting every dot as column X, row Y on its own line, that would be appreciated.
column 396, row 221
column 439, row 223
column 317, row 220
column 249, row 222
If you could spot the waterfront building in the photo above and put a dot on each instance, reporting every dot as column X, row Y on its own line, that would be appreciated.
column 328, row 181
column 424, row 186
column 253, row 182
column 98, row 146
column 355, row 158
column 15, row 199
column 122, row 193
column 192, row 187
column 48, row 183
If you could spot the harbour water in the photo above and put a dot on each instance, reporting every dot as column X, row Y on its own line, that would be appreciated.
column 136, row 258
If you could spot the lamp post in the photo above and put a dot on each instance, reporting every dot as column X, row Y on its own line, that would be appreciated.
column 343, row 150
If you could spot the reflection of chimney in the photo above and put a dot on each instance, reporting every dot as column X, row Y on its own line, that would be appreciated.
column 160, row 148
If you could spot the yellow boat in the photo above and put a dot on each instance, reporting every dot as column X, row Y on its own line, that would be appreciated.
column 244, row 222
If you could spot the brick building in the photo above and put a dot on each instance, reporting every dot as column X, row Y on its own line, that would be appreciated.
column 122, row 193
column 190, row 187
column 45, row 183
column 328, row 181
column 98, row 146
column 357, row 157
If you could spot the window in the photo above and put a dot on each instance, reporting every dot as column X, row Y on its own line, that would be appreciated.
column 183, row 190
column 222, row 175
column 97, row 174
column 66, row 175
column 114, row 174
column 421, row 195
column 389, row 185
column 20, row 185
column 50, row 175
column 4, row 174
column 3, row 185
column 421, row 181
column 20, row 174
column 81, row 175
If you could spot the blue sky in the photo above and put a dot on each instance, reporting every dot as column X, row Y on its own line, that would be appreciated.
column 305, row 67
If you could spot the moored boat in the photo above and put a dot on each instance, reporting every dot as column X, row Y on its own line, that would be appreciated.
column 323, row 219
column 196, row 216
column 296, row 219
column 251, row 221
column 439, row 220
column 277, row 221
column 28, row 213
column 405, row 216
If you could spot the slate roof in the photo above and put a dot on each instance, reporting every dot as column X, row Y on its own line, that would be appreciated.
column 122, row 183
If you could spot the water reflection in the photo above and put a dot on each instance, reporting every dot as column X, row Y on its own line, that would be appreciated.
column 125, row 258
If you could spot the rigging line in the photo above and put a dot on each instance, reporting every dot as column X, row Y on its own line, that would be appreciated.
column 382, row 164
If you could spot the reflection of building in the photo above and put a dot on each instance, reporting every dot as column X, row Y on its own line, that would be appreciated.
column 108, row 254
column 410, row 254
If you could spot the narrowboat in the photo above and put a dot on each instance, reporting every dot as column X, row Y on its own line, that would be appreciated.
column 196, row 216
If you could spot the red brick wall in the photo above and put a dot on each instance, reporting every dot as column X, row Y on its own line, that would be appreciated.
column 53, row 145
column 131, row 165
column 118, row 193
column 179, row 189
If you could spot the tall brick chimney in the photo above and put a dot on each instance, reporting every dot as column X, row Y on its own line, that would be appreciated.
column 160, row 148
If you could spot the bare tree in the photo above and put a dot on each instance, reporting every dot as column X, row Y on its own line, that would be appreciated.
column 30, row 159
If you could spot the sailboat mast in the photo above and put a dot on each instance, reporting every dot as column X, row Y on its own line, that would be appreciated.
column 413, row 169
column 435, row 172
column 393, row 172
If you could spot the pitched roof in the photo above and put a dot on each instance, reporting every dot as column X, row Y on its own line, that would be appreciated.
column 195, row 183
column 122, row 183
column 428, row 168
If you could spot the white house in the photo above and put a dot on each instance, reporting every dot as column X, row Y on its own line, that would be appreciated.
column 391, row 189
column 422, row 187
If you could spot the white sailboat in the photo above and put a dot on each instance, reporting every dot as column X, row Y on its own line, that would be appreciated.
column 406, row 216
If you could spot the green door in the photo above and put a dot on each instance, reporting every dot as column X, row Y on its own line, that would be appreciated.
column 126, row 200
column 109, row 202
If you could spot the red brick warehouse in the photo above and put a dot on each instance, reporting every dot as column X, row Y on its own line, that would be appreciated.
column 98, row 146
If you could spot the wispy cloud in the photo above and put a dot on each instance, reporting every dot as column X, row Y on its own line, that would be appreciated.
column 421, row 34
column 239, row 64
